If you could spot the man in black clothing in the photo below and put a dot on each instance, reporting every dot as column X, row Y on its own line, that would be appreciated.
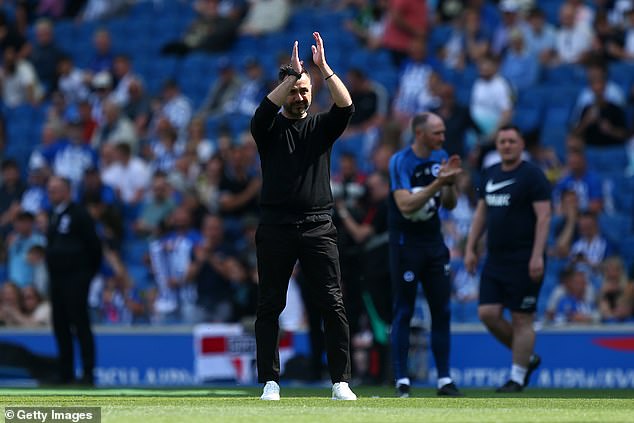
column 514, row 209
column 296, row 215
column 73, row 256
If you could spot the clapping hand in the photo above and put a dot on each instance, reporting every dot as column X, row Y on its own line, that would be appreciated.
column 295, row 62
column 449, row 169
column 319, row 57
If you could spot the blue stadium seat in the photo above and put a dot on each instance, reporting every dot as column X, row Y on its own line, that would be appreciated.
column 614, row 226
column 607, row 159
column 622, row 73
column 554, row 136
column 563, row 75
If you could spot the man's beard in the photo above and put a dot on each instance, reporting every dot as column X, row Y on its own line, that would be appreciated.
column 298, row 109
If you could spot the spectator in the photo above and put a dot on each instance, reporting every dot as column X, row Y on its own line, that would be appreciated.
column 458, row 122
column 176, row 108
column 11, row 191
column 10, row 304
column 265, row 17
column 565, row 227
column 491, row 98
column 20, row 84
column 369, row 22
column 129, row 175
column 20, row 241
column 239, row 188
column 406, row 23
column 602, row 123
column 210, row 31
column 24, row 308
column 35, row 198
column 416, row 80
column 123, row 76
column 138, row 108
column 45, row 54
column 92, row 188
column 70, row 157
column 120, row 301
column 511, row 20
column 156, row 207
column 608, row 40
column 574, row 306
column 573, row 42
column 222, row 91
column 170, row 257
column 247, row 98
column 37, row 260
column 36, row 309
column 165, row 150
column 348, row 184
column 456, row 223
column 86, row 121
column 612, row 292
column 586, row 183
column 198, row 141
column 520, row 66
column 584, row 15
column 540, row 36
column 468, row 42
column 369, row 230
column 71, row 81
column 208, row 184
column 589, row 251
column 115, row 128
column 96, row 10
column 208, row 270
column 371, row 102
column 10, row 37
column 103, row 58
column 102, row 88
column 627, row 51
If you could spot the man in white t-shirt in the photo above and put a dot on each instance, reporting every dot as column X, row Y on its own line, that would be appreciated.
column 572, row 40
column 491, row 97
column 128, row 175
column 20, row 84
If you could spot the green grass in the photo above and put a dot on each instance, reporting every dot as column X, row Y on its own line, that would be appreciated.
column 302, row 405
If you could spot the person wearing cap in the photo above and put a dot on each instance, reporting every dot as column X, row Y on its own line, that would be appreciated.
column 511, row 19
column 296, row 214
column 519, row 65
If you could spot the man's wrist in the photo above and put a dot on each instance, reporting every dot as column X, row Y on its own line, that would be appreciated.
column 293, row 72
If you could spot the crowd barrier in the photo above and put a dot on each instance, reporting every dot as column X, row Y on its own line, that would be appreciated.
column 579, row 357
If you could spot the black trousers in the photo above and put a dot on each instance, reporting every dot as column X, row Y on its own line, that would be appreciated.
column 315, row 246
column 69, row 300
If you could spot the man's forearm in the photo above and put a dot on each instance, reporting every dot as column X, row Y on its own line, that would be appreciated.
column 338, row 90
column 279, row 93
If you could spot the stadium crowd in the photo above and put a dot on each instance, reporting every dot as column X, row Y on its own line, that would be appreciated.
column 145, row 106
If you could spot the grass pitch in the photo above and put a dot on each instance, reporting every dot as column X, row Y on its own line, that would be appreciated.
column 303, row 405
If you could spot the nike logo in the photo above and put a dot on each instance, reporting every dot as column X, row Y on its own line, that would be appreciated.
column 492, row 187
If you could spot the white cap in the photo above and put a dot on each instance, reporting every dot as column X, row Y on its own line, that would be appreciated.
column 102, row 80
column 511, row 6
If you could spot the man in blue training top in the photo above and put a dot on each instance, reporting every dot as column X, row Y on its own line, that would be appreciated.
column 422, row 178
column 514, row 207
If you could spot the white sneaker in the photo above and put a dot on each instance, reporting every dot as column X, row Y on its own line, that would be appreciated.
column 271, row 391
column 341, row 391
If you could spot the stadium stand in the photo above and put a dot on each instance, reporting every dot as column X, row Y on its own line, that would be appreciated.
column 147, row 25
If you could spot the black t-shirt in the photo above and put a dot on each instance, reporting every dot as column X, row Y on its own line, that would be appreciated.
column 594, row 135
column 365, row 105
column 295, row 161
column 510, row 218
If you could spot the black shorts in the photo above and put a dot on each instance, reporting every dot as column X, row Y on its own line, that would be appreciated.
column 508, row 283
